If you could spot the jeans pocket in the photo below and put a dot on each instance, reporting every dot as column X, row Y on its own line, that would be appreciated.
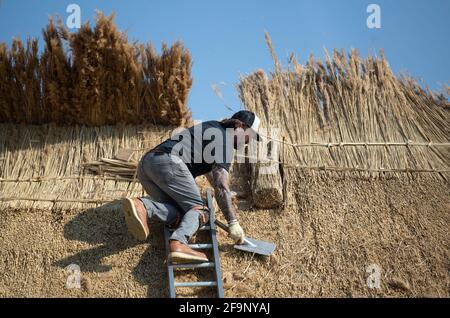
column 179, row 168
column 159, row 168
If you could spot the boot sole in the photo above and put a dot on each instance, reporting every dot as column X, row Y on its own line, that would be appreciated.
column 179, row 257
column 134, row 224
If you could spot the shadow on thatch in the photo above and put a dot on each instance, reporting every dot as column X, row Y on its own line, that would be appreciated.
column 105, row 228
column 96, row 226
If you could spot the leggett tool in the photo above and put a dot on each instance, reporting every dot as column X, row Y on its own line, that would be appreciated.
column 251, row 245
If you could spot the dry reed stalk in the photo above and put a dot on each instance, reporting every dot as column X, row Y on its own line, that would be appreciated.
column 106, row 74
column 6, row 82
column 168, row 77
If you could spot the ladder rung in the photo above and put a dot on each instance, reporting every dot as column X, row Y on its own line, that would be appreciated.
column 199, row 265
column 195, row 284
column 200, row 246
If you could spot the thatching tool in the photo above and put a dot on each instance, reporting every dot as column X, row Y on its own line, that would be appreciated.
column 250, row 244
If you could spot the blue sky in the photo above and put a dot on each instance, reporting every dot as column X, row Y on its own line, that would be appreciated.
column 226, row 38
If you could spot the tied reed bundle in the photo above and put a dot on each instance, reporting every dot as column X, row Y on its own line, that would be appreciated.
column 353, row 101
column 20, row 82
column 93, row 77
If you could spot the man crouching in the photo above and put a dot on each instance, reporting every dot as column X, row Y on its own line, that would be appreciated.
column 168, row 172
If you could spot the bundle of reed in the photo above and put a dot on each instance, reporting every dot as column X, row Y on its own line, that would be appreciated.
column 57, row 78
column 103, row 80
column 105, row 73
column 5, row 83
column 112, row 167
column 350, row 101
column 168, row 79
column 20, row 99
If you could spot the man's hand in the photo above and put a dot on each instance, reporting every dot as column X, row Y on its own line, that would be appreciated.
column 236, row 232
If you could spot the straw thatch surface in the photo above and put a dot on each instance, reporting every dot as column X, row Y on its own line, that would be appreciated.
column 333, row 225
column 326, row 236
column 46, row 163
column 93, row 77
column 56, row 213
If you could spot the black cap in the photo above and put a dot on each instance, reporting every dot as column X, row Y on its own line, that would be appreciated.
column 250, row 119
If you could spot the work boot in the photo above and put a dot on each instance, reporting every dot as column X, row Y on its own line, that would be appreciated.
column 136, row 218
column 181, row 253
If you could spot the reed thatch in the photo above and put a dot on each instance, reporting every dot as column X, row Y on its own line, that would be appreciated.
column 56, row 213
column 350, row 114
column 356, row 143
column 93, row 77
column 19, row 73
column 333, row 226
column 58, row 209
column 43, row 167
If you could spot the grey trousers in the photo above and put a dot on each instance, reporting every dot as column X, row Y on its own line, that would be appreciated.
column 172, row 193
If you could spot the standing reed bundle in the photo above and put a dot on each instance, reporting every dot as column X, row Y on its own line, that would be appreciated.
column 93, row 77
column 20, row 82
column 57, row 80
column 169, row 81
column 349, row 100
column 106, row 74
column 5, row 84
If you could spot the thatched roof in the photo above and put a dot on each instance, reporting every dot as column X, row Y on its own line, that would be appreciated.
column 366, row 161
column 43, row 167
column 327, row 235
column 334, row 224
column 56, row 213
column 351, row 114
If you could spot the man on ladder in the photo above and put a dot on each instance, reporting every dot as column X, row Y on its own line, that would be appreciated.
column 167, row 174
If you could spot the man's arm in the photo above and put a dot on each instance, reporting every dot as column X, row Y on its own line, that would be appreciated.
column 219, row 179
